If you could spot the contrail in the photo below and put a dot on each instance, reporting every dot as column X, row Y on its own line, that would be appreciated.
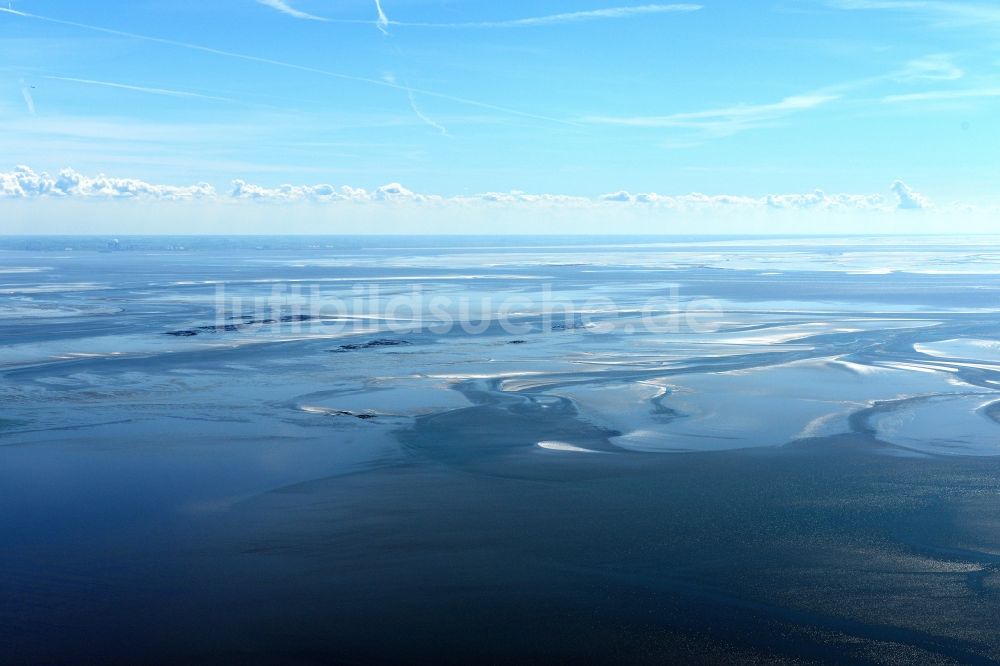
column 383, row 21
column 569, row 17
column 420, row 114
column 28, row 99
column 288, row 65
column 610, row 13
column 154, row 91
column 391, row 78
column 285, row 8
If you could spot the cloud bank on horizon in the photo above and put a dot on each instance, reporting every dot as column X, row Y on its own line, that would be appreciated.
column 25, row 183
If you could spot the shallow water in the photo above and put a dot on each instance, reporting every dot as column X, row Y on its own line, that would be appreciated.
column 274, row 449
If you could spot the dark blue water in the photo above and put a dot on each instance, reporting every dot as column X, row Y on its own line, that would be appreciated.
column 370, row 449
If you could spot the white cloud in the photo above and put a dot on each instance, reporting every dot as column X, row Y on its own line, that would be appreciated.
column 728, row 120
column 816, row 200
column 620, row 196
column 934, row 67
column 325, row 193
column 722, row 121
column 945, row 13
column 518, row 197
column 823, row 201
column 244, row 190
column 942, row 95
column 908, row 199
column 23, row 182
column 285, row 8
column 396, row 192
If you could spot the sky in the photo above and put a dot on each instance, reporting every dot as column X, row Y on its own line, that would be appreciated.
column 463, row 116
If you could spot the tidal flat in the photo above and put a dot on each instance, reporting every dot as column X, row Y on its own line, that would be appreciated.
column 371, row 449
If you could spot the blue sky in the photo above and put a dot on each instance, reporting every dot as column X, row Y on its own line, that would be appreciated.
column 589, row 107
